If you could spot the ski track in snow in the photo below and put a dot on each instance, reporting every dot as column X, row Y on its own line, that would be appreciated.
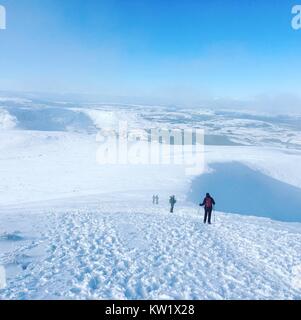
column 145, row 253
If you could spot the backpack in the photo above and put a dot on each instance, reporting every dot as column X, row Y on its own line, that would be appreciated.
column 208, row 203
column 172, row 200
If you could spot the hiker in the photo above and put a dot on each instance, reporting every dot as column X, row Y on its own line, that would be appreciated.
column 157, row 199
column 154, row 199
column 172, row 201
column 208, row 204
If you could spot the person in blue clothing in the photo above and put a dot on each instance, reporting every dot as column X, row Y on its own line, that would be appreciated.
column 208, row 204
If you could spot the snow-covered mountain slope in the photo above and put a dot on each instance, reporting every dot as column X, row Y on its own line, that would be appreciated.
column 71, row 227
column 131, row 250
column 39, row 165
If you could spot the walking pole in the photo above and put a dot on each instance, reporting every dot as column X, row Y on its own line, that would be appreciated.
column 214, row 214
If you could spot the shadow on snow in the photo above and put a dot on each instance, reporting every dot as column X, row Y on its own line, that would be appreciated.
column 239, row 189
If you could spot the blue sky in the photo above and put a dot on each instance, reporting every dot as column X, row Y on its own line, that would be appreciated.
column 171, row 51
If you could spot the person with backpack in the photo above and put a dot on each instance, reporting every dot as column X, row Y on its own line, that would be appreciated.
column 172, row 201
column 208, row 204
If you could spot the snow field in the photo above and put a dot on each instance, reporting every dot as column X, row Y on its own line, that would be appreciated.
column 138, row 253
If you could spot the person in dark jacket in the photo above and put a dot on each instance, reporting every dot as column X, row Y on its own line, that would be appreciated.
column 208, row 204
column 172, row 201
